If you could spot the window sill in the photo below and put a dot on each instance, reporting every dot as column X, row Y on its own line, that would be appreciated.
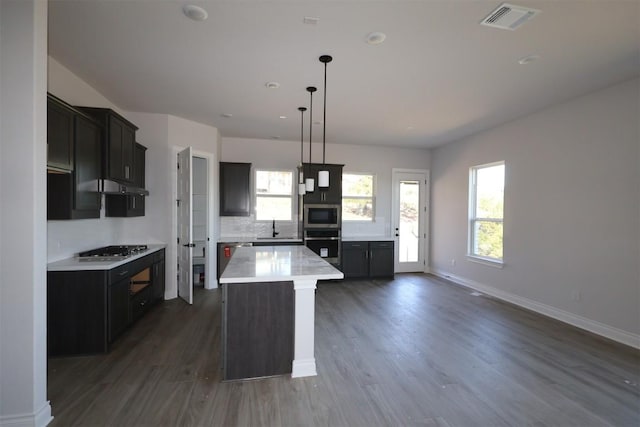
column 486, row 261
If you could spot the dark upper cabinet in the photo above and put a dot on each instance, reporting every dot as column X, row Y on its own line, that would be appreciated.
column 367, row 259
column 130, row 205
column 76, row 195
column 119, row 142
column 59, row 135
column 330, row 195
column 235, row 190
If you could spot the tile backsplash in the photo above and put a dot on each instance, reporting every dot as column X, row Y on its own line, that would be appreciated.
column 247, row 226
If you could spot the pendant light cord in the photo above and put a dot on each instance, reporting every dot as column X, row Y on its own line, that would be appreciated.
column 310, row 89
column 324, row 116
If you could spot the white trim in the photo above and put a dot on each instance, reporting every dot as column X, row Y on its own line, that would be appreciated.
column 210, row 281
column 303, row 368
column 293, row 194
column 40, row 418
column 593, row 326
column 486, row 261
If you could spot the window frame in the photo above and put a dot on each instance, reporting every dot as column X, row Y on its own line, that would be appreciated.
column 374, row 186
column 291, row 195
column 472, row 219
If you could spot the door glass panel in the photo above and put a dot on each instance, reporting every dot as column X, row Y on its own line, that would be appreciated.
column 409, row 226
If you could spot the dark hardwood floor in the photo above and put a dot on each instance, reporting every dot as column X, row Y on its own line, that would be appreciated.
column 413, row 351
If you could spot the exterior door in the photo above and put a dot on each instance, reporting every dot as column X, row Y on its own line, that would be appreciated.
column 185, row 222
column 409, row 220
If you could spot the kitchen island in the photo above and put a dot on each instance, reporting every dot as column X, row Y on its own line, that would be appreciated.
column 269, row 311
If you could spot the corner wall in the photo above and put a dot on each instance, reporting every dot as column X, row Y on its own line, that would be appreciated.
column 572, row 211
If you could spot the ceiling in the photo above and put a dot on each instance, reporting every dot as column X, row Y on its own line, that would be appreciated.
column 438, row 76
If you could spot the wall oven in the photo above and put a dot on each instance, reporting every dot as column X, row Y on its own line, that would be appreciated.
column 322, row 216
column 326, row 243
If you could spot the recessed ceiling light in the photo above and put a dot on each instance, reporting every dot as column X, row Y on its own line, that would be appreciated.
column 195, row 12
column 376, row 37
column 317, row 122
column 283, row 117
column 528, row 59
column 410, row 127
column 275, row 137
column 272, row 85
column 227, row 115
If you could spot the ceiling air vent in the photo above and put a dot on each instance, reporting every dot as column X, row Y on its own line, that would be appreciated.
column 509, row 17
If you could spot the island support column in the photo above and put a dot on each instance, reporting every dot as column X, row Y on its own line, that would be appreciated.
column 304, row 361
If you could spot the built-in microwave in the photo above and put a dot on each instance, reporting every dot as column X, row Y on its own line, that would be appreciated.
column 322, row 216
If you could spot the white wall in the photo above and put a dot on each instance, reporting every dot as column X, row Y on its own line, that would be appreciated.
column 380, row 161
column 23, row 132
column 572, row 211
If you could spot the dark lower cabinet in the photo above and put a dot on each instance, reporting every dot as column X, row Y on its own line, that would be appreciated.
column 258, row 327
column 367, row 259
column 119, row 317
column 88, row 310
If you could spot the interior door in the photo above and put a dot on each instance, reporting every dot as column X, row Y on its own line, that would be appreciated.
column 185, row 222
column 409, row 220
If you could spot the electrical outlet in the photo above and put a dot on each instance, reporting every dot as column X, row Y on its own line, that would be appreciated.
column 453, row 262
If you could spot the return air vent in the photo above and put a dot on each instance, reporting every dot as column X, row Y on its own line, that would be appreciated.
column 509, row 17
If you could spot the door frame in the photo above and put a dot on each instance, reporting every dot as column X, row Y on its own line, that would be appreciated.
column 210, row 281
column 425, row 218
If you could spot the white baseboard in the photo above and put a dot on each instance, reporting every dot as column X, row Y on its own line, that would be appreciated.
column 304, row 368
column 40, row 418
column 615, row 334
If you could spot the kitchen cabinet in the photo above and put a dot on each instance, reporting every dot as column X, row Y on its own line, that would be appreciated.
column 117, row 205
column 88, row 309
column 258, row 329
column 75, row 195
column 118, row 141
column 60, row 138
column 365, row 259
column 329, row 195
column 235, row 189
column 157, row 280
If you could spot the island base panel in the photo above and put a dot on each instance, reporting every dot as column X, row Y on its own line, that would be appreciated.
column 258, row 336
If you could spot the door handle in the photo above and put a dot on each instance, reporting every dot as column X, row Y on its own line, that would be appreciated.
column 190, row 245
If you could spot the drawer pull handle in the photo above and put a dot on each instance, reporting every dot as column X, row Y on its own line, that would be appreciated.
column 122, row 273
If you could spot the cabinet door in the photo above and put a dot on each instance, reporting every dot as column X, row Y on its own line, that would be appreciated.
column 128, row 142
column 158, row 280
column 115, row 168
column 330, row 195
column 87, row 168
column 380, row 259
column 59, row 135
column 235, row 192
column 354, row 259
column 118, row 308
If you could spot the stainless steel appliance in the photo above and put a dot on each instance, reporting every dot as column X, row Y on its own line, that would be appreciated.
column 324, row 242
column 111, row 253
column 322, row 216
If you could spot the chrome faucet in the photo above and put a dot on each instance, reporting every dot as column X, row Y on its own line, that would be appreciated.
column 273, row 226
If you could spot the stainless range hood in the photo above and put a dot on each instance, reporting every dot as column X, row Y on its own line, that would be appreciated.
column 114, row 187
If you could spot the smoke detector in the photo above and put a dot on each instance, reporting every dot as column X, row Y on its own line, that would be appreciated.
column 195, row 12
column 509, row 17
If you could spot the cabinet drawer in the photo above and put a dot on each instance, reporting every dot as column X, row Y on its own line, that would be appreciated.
column 379, row 245
column 355, row 245
column 119, row 273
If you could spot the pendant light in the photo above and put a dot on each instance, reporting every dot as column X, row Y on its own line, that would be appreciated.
column 323, row 175
column 302, row 188
column 310, row 182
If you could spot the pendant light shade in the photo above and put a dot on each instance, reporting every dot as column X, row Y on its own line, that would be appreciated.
column 302, row 188
column 310, row 182
column 323, row 175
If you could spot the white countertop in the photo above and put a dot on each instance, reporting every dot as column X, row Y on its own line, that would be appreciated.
column 277, row 263
column 74, row 264
column 367, row 238
column 245, row 239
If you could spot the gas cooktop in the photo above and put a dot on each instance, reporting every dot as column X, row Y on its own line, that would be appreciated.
column 111, row 253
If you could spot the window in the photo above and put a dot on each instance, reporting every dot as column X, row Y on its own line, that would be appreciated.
column 486, row 209
column 358, row 197
column 274, row 195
